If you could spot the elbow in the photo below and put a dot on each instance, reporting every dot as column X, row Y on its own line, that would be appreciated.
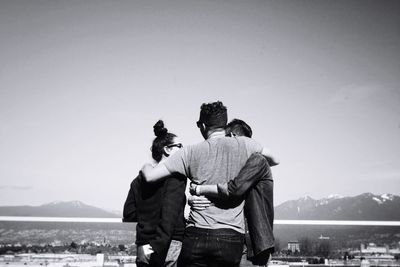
column 149, row 179
column 275, row 162
column 237, row 193
column 148, row 173
column 234, row 191
column 271, row 161
column 146, row 176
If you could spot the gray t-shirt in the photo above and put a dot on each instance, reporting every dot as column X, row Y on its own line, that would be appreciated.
column 215, row 160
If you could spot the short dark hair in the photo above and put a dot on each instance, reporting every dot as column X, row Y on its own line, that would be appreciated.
column 163, row 138
column 213, row 115
column 239, row 127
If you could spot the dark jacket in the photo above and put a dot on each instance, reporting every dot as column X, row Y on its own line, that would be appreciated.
column 255, row 182
column 158, row 209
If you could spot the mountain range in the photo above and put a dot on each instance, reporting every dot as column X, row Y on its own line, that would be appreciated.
column 366, row 206
column 58, row 209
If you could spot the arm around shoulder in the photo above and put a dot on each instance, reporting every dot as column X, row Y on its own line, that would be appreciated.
column 153, row 174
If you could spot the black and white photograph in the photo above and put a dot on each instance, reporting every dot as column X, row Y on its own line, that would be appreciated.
column 200, row 133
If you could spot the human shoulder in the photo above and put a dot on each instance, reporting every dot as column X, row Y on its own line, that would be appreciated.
column 246, row 139
column 182, row 159
column 188, row 150
column 251, row 144
column 137, row 180
column 197, row 145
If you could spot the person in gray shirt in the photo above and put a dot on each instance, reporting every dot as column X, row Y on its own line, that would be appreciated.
column 214, row 236
column 255, row 183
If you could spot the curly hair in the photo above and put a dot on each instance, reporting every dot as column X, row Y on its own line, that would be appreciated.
column 163, row 138
column 213, row 115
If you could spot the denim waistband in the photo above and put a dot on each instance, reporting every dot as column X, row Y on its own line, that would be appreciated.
column 214, row 232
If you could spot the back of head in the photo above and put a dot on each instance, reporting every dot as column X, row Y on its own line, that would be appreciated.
column 213, row 115
column 239, row 128
column 163, row 138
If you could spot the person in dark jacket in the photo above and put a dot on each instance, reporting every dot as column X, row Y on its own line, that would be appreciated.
column 158, row 208
column 255, row 183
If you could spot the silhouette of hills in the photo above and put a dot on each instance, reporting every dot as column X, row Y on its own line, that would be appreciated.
column 366, row 206
column 58, row 209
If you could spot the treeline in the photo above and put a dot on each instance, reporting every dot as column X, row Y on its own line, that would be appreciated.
column 86, row 248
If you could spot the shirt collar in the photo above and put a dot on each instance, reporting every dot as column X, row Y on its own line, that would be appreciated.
column 217, row 134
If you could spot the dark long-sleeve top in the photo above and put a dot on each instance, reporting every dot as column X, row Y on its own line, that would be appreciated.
column 256, row 183
column 158, row 209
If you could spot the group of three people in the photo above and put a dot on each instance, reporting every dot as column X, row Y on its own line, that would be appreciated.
column 228, row 167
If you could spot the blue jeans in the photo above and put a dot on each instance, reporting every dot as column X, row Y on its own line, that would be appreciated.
column 211, row 247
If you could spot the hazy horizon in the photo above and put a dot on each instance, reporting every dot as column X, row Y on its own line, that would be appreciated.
column 82, row 83
column 119, row 211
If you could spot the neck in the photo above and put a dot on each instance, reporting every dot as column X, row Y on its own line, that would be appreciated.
column 164, row 157
column 217, row 133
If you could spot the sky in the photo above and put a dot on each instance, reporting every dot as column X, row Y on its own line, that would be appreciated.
column 83, row 82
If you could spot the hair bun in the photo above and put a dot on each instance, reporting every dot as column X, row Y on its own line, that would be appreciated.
column 159, row 129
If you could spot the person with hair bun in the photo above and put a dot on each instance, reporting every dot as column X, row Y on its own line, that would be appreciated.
column 158, row 208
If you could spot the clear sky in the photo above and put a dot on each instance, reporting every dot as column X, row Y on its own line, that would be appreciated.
column 83, row 82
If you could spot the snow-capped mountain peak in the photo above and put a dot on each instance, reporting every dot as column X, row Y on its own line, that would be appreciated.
column 73, row 203
column 77, row 203
column 387, row 197
column 52, row 203
column 305, row 198
column 334, row 196
column 328, row 199
column 366, row 206
column 377, row 200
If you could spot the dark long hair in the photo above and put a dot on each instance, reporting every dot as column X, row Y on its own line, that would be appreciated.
column 163, row 138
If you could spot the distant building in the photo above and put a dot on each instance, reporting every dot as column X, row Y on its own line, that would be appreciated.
column 324, row 237
column 100, row 259
column 56, row 243
column 395, row 251
column 372, row 248
column 294, row 246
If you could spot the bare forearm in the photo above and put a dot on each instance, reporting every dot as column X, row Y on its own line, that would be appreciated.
column 152, row 174
column 207, row 190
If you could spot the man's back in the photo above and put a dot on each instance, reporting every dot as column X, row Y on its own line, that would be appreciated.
column 215, row 160
column 215, row 235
